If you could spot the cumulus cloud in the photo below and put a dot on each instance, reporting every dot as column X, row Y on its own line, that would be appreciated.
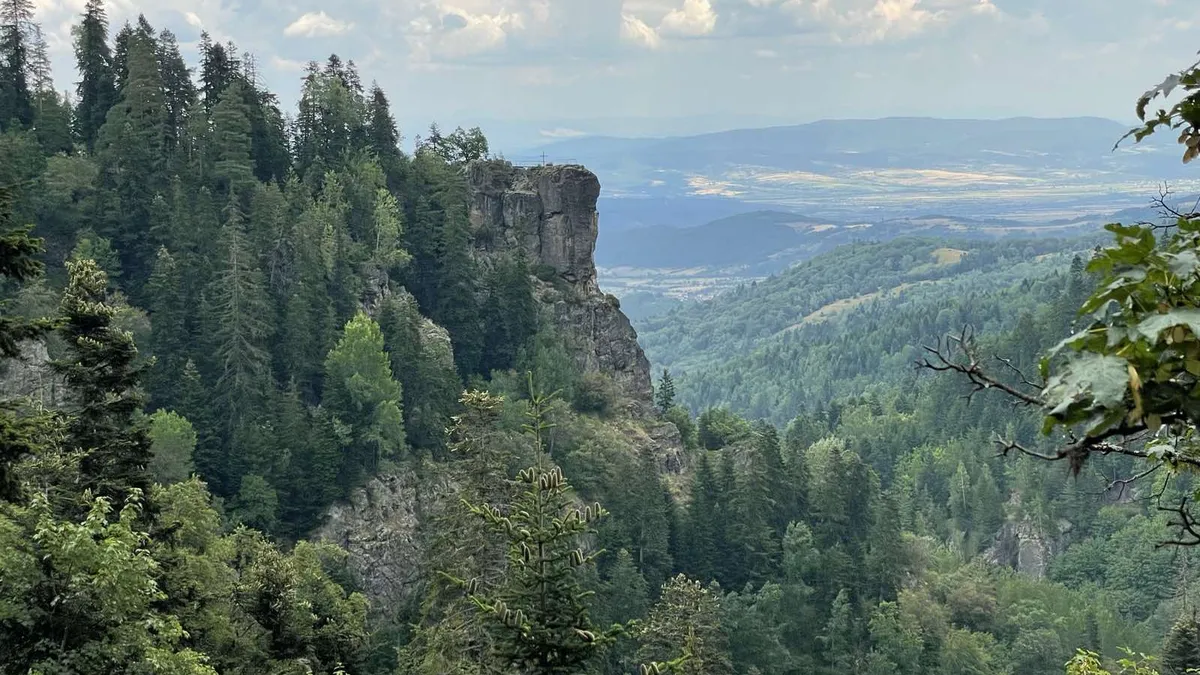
column 639, row 32
column 693, row 19
column 317, row 24
column 456, row 32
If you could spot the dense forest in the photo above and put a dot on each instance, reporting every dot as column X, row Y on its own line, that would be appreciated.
column 219, row 320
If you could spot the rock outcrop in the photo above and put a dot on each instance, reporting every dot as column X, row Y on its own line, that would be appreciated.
column 380, row 528
column 548, row 213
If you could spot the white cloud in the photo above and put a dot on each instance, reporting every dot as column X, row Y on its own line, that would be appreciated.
column 317, row 24
column 693, row 19
column 868, row 21
column 562, row 132
column 639, row 32
column 458, row 33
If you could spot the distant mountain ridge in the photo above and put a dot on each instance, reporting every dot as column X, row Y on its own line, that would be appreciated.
column 890, row 167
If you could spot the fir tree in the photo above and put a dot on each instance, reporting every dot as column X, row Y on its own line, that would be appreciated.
column 237, row 308
column 103, row 369
column 131, row 157
column 1181, row 650
column 218, row 69
column 539, row 613
column 687, row 619
column 169, row 337
column 16, row 96
column 664, row 396
column 179, row 92
column 96, row 91
column 233, row 168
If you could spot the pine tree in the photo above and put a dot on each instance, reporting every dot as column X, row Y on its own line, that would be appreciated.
column 16, row 96
column 664, row 396
column 104, row 372
column 96, row 91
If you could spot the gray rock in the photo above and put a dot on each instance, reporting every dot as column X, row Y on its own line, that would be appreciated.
column 549, row 214
column 379, row 528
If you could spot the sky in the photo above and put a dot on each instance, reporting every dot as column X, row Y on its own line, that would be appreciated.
column 530, row 70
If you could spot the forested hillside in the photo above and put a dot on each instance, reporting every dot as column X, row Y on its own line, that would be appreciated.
column 278, row 397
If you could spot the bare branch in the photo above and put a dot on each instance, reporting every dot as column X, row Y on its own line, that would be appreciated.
column 1187, row 524
column 1024, row 380
column 1125, row 482
column 942, row 359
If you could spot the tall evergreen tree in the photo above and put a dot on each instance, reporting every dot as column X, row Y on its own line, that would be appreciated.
column 364, row 397
column 169, row 338
column 103, row 369
column 1181, row 650
column 218, row 69
column 179, row 92
column 131, row 156
column 539, row 614
column 237, row 309
column 664, row 395
column 233, row 169
column 16, row 95
column 96, row 91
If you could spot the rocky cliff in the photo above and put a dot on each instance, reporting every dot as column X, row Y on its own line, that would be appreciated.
column 548, row 213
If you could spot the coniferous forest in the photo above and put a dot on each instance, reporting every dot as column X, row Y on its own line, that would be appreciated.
column 223, row 318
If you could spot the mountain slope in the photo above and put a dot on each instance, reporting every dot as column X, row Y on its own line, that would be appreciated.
column 847, row 320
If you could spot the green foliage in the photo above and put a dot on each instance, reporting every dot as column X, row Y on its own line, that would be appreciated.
column 539, row 611
column 363, row 396
column 172, row 441
column 687, row 617
column 719, row 427
column 664, row 394
column 103, row 369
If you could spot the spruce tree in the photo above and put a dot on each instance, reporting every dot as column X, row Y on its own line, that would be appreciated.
column 131, row 156
column 96, row 91
column 104, row 372
column 1181, row 650
column 664, row 395
column 16, row 96
column 179, row 92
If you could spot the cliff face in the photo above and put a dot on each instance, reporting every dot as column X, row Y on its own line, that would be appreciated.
column 548, row 213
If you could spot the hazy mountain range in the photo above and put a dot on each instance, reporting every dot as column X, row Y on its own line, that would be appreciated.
column 1023, row 168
